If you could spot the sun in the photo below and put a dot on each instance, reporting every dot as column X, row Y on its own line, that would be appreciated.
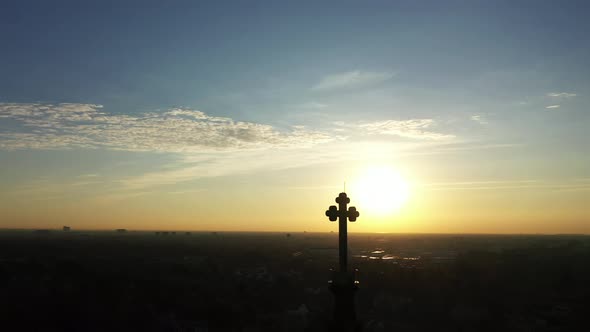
column 380, row 190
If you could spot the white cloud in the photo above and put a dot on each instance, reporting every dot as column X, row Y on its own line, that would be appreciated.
column 46, row 126
column 561, row 95
column 558, row 97
column 66, row 126
column 351, row 79
column 481, row 119
column 206, row 146
column 344, row 145
column 413, row 128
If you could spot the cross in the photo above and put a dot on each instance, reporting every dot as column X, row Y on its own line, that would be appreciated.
column 342, row 214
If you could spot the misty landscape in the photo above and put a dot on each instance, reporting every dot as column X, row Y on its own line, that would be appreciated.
column 220, row 281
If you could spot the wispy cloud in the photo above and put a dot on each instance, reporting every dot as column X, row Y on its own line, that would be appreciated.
column 47, row 126
column 412, row 128
column 344, row 145
column 67, row 126
column 558, row 98
column 356, row 78
column 192, row 167
column 561, row 95
column 204, row 145
column 481, row 119
column 547, row 185
column 468, row 146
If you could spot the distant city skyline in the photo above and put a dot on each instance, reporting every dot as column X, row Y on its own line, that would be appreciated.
column 229, row 116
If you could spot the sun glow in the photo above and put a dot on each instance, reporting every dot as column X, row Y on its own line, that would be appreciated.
column 380, row 190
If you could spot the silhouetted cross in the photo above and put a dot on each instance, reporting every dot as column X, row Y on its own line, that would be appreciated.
column 342, row 214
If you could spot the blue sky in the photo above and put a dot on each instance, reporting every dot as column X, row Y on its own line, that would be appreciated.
column 151, row 96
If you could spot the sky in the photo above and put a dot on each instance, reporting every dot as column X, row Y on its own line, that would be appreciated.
column 251, row 115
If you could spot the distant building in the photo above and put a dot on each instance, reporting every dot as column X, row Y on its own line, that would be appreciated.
column 187, row 233
column 121, row 230
column 67, row 228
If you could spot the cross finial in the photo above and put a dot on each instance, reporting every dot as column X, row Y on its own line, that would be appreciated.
column 342, row 214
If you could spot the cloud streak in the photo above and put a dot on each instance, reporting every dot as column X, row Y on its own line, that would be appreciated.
column 565, row 185
column 421, row 129
column 351, row 79
column 561, row 95
column 481, row 119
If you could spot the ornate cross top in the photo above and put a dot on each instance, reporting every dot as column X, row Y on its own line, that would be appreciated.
column 333, row 212
column 342, row 214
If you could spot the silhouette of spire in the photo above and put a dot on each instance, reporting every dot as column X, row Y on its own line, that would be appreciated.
column 343, row 284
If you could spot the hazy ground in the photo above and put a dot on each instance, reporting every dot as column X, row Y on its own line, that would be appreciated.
column 98, row 281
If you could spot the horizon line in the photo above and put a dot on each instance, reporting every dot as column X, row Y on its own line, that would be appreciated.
column 281, row 232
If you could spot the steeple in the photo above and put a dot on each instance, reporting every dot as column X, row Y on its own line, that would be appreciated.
column 343, row 284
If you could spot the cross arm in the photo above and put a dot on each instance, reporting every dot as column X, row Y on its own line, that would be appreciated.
column 332, row 213
column 353, row 213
